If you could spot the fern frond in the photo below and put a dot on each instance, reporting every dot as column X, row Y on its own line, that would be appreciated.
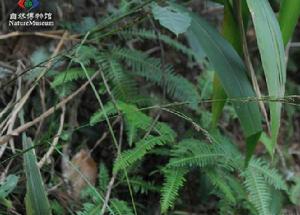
column 294, row 194
column 259, row 191
column 103, row 177
column 218, row 180
column 128, row 157
column 225, row 207
column 150, row 68
column 89, row 209
column 271, row 175
column 99, row 116
column 174, row 180
column 141, row 186
column 134, row 120
column 120, row 207
column 123, row 85
column 84, row 54
column 65, row 89
column 70, row 75
column 191, row 152
column 151, row 35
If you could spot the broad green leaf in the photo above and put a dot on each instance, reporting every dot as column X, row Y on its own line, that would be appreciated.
column 36, row 197
column 8, row 185
column 288, row 18
column 171, row 18
column 219, row 100
column 232, row 73
column 232, row 34
column 272, row 54
column 266, row 140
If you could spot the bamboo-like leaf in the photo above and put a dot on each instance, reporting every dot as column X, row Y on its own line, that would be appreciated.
column 232, row 34
column 219, row 97
column 272, row 54
column 232, row 73
column 288, row 17
column 172, row 19
column 36, row 197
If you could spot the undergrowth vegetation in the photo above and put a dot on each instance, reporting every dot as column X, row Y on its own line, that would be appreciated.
column 151, row 110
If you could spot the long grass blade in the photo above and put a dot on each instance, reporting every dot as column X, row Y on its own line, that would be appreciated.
column 232, row 73
column 36, row 197
column 232, row 34
column 288, row 17
column 272, row 54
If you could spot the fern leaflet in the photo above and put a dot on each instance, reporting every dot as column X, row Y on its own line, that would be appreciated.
column 174, row 180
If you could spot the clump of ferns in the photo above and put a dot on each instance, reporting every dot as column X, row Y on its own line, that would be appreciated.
column 220, row 161
column 221, row 164
column 123, row 66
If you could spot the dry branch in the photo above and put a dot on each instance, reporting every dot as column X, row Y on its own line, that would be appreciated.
column 17, row 131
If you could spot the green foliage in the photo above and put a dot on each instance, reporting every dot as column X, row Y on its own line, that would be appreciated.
column 36, row 197
column 151, row 69
column 220, row 161
column 124, row 86
column 218, row 180
column 271, row 176
column 271, row 48
column 7, row 186
column 295, row 192
column 288, row 17
column 151, row 35
column 103, row 177
column 171, row 18
column 259, row 191
column 174, row 180
column 191, row 153
column 231, row 32
column 120, row 207
column 84, row 54
column 135, row 120
column 128, row 157
column 70, row 75
column 232, row 73
column 142, row 186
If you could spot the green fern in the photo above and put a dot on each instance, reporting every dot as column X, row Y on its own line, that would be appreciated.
column 134, row 119
column 70, row 75
column 124, row 86
column 174, row 180
column 103, row 177
column 191, row 152
column 90, row 209
column 151, row 69
column 128, row 157
column 218, row 180
column 120, row 207
column 141, row 186
column 151, row 35
column 259, row 191
column 295, row 192
column 99, row 116
column 84, row 54
column 269, row 174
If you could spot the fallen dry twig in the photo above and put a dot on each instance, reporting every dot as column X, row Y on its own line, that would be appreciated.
column 17, row 131
column 55, row 140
